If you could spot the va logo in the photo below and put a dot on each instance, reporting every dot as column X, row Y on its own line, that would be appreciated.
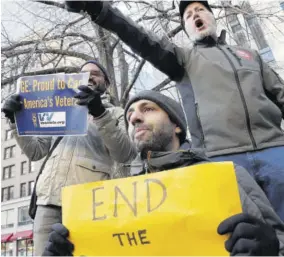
column 45, row 116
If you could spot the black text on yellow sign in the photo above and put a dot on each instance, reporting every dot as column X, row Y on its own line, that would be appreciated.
column 131, row 201
column 138, row 215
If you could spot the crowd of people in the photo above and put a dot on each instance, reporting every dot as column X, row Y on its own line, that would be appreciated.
column 232, row 102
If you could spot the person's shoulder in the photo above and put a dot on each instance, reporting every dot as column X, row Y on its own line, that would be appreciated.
column 116, row 111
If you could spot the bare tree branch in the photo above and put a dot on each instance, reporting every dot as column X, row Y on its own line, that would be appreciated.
column 129, row 87
column 29, row 42
column 161, row 85
column 9, row 54
column 52, row 3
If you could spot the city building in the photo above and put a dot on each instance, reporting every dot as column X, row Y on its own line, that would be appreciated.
column 17, row 182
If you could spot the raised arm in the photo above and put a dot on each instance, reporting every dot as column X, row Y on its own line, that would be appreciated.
column 164, row 55
column 112, row 129
column 35, row 148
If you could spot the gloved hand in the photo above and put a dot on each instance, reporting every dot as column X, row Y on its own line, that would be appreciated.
column 92, row 99
column 12, row 105
column 58, row 244
column 249, row 236
column 91, row 7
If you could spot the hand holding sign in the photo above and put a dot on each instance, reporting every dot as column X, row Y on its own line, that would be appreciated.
column 249, row 236
column 92, row 99
column 58, row 244
column 11, row 106
column 175, row 212
column 48, row 107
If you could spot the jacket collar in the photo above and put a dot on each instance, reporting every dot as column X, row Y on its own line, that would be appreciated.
column 106, row 100
column 211, row 41
column 159, row 161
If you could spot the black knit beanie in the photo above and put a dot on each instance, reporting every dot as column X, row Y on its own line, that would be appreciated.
column 184, row 4
column 101, row 68
column 170, row 106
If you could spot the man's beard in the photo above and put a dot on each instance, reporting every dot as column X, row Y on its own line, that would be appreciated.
column 194, row 35
column 160, row 140
column 100, row 87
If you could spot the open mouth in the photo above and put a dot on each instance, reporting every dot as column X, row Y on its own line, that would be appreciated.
column 199, row 23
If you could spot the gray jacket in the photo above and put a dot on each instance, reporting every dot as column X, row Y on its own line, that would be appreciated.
column 76, row 160
column 233, row 101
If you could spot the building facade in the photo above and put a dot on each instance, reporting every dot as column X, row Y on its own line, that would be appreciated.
column 17, row 181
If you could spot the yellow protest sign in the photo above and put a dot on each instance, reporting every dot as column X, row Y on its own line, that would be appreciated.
column 175, row 212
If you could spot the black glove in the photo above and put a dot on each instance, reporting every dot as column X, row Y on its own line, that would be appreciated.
column 91, row 7
column 92, row 99
column 58, row 244
column 249, row 236
column 12, row 105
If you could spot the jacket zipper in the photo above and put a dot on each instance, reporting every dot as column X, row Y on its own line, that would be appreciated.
column 242, row 97
column 236, row 57
column 199, row 121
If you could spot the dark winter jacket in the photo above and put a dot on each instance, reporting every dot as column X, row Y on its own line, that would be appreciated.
column 253, row 199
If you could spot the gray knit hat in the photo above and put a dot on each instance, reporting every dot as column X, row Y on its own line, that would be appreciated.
column 100, row 67
column 170, row 106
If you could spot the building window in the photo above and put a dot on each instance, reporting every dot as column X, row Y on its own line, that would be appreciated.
column 9, row 134
column 24, row 168
column 8, row 172
column 7, row 193
column 7, row 218
column 25, row 247
column 9, row 152
column 236, row 28
column 23, row 190
column 24, row 217
column 32, row 167
column 31, row 187
column 7, row 249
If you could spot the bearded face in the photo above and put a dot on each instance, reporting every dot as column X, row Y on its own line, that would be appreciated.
column 152, row 138
column 150, row 128
column 97, row 78
column 199, row 22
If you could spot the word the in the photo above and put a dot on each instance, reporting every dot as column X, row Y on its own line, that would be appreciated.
column 133, row 238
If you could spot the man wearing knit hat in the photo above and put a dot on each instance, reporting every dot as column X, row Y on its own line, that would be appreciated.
column 233, row 101
column 157, row 127
column 76, row 159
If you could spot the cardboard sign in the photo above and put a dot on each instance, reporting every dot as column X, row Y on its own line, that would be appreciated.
column 174, row 212
column 49, row 108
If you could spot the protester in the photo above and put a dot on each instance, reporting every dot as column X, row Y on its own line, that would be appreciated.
column 76, row 159
column 234, row 102
column 157, row 126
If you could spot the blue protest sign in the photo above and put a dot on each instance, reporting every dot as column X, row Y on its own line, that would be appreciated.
column 49, row 108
